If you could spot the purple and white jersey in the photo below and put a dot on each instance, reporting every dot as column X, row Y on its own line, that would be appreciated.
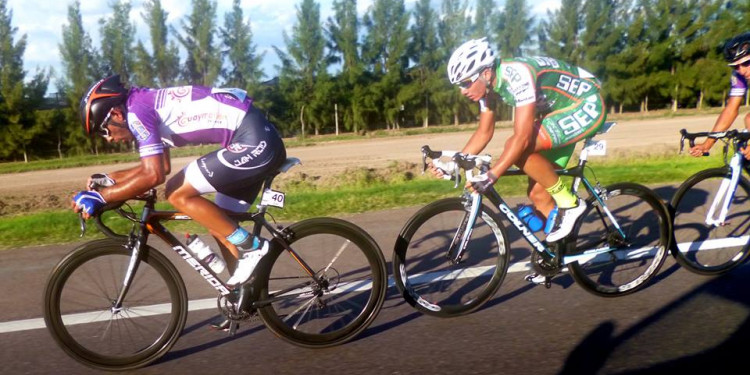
column 178, row 116
column 738, row 84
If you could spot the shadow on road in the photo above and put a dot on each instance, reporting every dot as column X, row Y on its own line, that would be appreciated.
column 691, row 335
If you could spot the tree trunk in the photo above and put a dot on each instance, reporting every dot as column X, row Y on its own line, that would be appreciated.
column 336, row 117
column 426, row 119
column 700, row 100
column 59, row 145
column 674, row 99
column 302, row 121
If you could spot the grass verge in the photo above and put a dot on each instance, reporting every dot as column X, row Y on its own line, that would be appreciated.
column 358, row 191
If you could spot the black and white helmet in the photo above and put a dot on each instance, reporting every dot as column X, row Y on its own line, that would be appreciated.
column 737, row 49
column 469, row 60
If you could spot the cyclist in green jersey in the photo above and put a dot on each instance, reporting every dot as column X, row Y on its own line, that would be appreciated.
column 556, row 105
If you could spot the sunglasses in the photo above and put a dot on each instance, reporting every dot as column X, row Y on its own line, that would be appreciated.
column 103, row 128
column 467, row 83
column 742, row 64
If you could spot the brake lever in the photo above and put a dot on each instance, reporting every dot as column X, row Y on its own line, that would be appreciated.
column 82, row 222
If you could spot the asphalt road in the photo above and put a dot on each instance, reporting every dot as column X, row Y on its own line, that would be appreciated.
column 682, row 323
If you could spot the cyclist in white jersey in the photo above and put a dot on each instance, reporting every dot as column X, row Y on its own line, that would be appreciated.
column 737, row 56
column 158, row 119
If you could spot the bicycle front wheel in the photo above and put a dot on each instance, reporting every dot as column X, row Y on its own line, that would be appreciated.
column 620, row 242
column 335, row 303
column 706, row 247
column 80, row 314
column 424, row 265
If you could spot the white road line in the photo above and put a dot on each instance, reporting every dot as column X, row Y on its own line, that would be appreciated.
column 210, row 303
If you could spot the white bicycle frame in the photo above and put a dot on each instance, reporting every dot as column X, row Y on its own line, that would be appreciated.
column 725, row 193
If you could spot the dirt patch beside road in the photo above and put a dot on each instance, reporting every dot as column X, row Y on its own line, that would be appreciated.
column 41, row 190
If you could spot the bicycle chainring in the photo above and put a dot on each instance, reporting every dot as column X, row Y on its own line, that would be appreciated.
column 229, row 310
column 543, row 266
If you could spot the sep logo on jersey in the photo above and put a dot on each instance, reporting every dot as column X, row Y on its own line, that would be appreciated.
column 574, row 86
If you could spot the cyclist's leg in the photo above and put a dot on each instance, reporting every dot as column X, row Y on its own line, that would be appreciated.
column 541, row 198
column 561, row 130
column 236, row 170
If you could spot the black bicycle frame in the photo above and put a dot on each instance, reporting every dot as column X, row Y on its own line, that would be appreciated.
column 527, row 234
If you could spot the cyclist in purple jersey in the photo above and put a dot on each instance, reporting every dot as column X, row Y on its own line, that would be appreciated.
column 158, row 119
column 737, row 56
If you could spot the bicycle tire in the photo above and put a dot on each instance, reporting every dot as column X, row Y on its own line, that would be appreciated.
column 423, row 276
column 645, row 221
column 706, row 249
column 92, row 275
column 351, row 264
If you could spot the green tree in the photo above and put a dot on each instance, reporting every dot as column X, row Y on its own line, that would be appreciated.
column 203, row 64
column 454, row 29
column 117, row 40
column 161, row 67
column 79, row 72
column 485, row 23
column 384, row 51
column 562, row 31
column 343, row 34
column 515, row 24
column 18, row 100
column 303, row 74
column 425, row 54
column 244, row 63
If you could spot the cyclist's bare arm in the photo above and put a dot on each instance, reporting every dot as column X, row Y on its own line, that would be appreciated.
column 478, row 140
column 483, row 135
column 725, row 120
column 519, row 142
column 135, row 181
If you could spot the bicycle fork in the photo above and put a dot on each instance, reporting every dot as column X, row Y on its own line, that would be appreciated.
column 725, row 194
column 465, row 228
column 135, row 260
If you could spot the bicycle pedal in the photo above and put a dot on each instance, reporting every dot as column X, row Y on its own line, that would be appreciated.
column 535, row 278
column 233, row 326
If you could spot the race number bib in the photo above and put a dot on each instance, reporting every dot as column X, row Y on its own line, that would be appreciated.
column 273, row 198
column 596, row 148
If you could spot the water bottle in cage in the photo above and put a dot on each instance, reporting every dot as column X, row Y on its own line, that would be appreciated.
column 205, row 254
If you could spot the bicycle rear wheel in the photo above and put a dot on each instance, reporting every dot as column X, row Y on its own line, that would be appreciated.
column 710, row 249
column 626, row 263
column 79, row 312
column 339, row 301
column 428, row 280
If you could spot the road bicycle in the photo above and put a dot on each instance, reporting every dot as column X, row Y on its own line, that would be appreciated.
column 119, row 304
column 452, row 256
column 711, row 210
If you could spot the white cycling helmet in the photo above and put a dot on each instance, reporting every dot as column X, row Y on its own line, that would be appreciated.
column 469, row 60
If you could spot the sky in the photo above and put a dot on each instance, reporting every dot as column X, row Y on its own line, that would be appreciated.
column 42, row 22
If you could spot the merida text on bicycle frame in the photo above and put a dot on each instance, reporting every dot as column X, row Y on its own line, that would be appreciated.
column 181, row 251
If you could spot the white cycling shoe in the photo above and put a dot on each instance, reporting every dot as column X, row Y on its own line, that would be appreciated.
column 565, row 220
column 246, row 264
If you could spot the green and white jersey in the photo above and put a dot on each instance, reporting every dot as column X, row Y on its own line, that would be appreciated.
column 550, row 83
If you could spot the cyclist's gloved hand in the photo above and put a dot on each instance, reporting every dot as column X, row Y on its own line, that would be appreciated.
column 88, row 202
column 443, row 169
column 99, row 180
column 483, row 182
